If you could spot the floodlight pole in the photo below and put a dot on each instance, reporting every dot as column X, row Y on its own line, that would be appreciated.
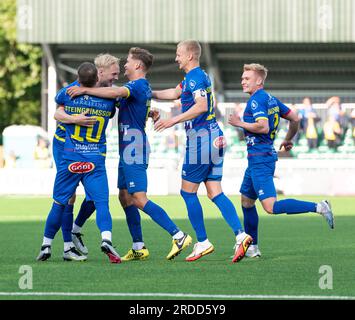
column 50, row 90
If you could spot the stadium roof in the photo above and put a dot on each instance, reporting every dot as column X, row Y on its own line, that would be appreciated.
column 307, row 45
column 170, row 21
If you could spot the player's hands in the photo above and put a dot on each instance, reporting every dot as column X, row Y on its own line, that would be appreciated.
column 154, row 114
column 82, row 120
column 287, row 145
column 161, row 124
column 75, row 91
column 234, row 120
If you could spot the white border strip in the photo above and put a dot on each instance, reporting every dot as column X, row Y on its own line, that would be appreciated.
column 177, row 295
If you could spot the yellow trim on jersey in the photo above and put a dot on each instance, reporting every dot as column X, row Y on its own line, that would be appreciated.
column 129, row 92
column 59, row 138
column 259, row 118
column 61, row 127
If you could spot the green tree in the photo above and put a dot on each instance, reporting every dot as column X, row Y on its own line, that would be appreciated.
column 20, row 73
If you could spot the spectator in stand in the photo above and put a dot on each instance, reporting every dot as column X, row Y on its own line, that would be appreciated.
column 10, row 160
column 311, row 131
column 306, row 112
column 332, row 132
column 336, row 110
column 42, row 154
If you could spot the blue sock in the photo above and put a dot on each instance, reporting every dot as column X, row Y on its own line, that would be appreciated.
column 67, row 222
column 133, row 219
column 159, row 216
column 228, row 212
column 87, row 208
column 292, row 206
column 54, row 220
column 251, row 222
column 195, row 214
column 103, row 216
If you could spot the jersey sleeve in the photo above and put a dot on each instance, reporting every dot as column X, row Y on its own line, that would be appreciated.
column 198, row 88
column 133, row 89
column 259, row 109
column 60, row 97
column 284, row 110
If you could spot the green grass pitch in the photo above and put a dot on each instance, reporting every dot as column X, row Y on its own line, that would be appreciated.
column 293, row 250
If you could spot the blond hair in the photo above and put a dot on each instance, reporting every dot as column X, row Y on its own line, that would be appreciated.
column 105, row 60
column 192, row 46
column 258, row 68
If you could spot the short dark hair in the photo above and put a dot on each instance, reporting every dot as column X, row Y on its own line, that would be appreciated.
column 142, row 55
column 87, row 74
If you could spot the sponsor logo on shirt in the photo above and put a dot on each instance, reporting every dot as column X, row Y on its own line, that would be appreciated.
column 192, row 84
column 254, row 104
column 81, row 167
column 220, row 142
column 250, row 140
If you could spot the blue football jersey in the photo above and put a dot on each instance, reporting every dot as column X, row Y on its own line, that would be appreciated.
column 86, row 143
column 60, row 131
column 198, row 83
column 263, row 105
column 132, row 118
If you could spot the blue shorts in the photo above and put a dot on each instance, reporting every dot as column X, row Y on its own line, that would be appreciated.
column 258, row 181
column 132, row 177
column 58, row 152
column 68, row 177
column 204, row 161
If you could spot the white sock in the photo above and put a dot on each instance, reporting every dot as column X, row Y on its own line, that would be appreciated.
column 106, row 235
column 68, row 245
column 319, row 208
column 178, row 235
column 47, row 241
column 137, row 245
column 76, row 228
column 240, row 235
column 205, row 242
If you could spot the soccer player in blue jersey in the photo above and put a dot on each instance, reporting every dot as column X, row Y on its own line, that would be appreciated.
column 260, row 122
column 108, row 71
column 83, row 160
column 204, row 150
column 134, row 106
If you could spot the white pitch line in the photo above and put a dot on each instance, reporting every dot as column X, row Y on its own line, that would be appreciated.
column 177, row 295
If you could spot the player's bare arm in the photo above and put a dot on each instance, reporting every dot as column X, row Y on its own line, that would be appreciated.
column 80, row 119
column 261, row 126
column 197, row 109
column 104, row 92
column 294, row 120
column 167, row 94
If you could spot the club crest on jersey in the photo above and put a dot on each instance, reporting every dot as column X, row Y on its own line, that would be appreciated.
column 219, row 142
column 254, row 104
column 86, row 97
column 81, row 167
column 192, row 84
